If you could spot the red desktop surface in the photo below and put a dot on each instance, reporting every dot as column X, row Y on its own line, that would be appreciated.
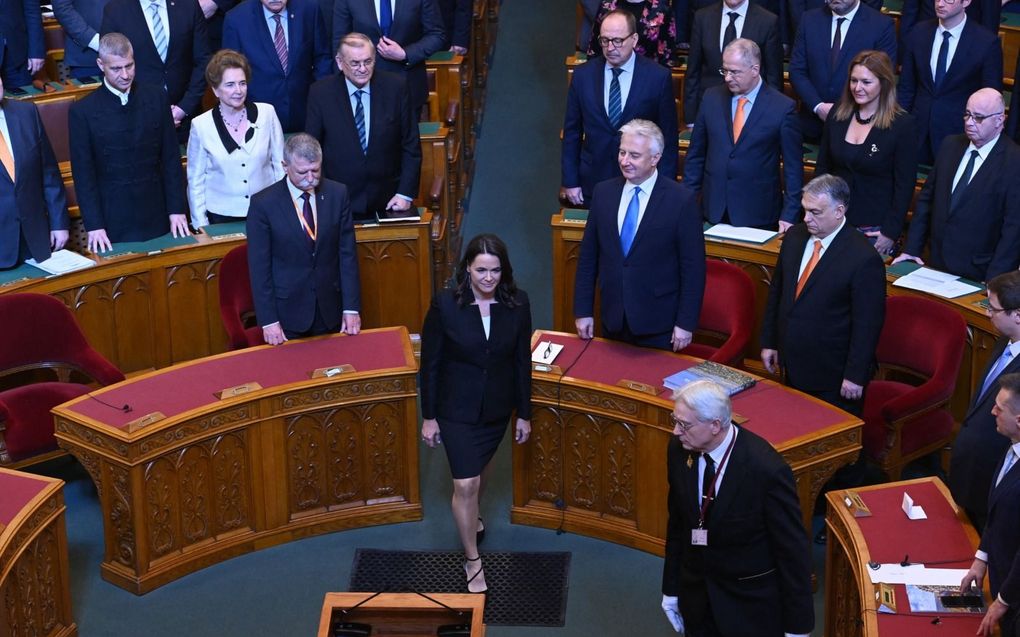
column 778, row 414
column 188, row 386
column 16, row 491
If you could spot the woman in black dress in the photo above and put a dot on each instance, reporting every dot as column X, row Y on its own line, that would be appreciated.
column 871, row 142
column 475, row 371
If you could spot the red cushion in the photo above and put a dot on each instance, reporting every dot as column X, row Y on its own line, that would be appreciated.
column 29, row 424
column 917, row 432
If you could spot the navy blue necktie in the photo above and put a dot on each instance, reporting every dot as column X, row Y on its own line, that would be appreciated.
column 385, row 17
column 615, row 100
column 837, row 44
column 630, row 222
column 943, row 61
column 359, row 120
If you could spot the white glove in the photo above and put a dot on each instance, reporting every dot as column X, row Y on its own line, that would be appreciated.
column 671, row 606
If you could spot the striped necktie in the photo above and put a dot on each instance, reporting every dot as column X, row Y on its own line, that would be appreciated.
column 158, row 31
column 615, row 99
column 280, row 42
column 359, row 121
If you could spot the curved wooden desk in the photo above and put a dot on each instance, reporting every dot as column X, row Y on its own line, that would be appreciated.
column 759, row 262
column 885, row 537
column 218, row 478
column 596, row 461
column 35, row 596
column 146, row 311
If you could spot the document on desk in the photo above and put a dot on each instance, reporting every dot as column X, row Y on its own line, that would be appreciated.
column 63, row 261
column 916, row 574
column 748, row 235
column 944, row 284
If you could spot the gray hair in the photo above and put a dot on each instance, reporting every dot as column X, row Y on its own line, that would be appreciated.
column 835, row 188
column 648, row 130
column 749, row 51
column 355, row 40
column 708, row 400
column 304, row 146
column 116, row 44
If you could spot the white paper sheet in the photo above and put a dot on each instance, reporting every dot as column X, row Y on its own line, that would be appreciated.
column 546, row 352
column 943, row 284
column 916, row 574
column 751, row 235
column 63, row 261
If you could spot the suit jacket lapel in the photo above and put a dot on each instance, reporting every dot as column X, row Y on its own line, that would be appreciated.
column 987, row 173
column 829, row 256
column 851, row 33
column 981, row 400
column 714, row 24
column 733, row 475
column 691, row 479
column 136, row 8
column 761, row 104
column 1011, row 478
column 600, row 87
column 927, row 79
column 264, row 37
column 609, row 219
column 295, row 33
column 962, row 54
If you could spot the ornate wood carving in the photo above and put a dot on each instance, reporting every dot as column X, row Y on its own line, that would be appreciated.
column 191, row 429
column 120, row 517
column 27, row 530
column 33, row 587
column 339, row 393
column 90, row 436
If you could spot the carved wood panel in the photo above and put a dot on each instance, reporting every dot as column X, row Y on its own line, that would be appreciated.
column 191, row 287
column 384, row 265
column 32, row 589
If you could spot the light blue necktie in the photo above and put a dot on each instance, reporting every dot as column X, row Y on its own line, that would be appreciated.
column 1007, row 464
column 629, row 228
column 158, row 32
column 359, row 121
column 993, row 373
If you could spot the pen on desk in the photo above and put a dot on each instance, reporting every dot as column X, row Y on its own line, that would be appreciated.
column 548, row 350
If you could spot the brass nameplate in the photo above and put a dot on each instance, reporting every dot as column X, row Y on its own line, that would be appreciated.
column 885, row 594
column 228, row 237
column 634, row 385
column 237, row 390
column 334, row 370
column 546, row 368
column 144, row 421
column 856, row 505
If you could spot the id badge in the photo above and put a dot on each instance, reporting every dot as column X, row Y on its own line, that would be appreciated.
column 699, row 537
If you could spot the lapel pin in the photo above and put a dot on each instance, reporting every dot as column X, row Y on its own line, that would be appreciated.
column 690, row 461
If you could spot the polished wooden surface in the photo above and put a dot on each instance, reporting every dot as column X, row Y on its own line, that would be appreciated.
column 596, row 460
column 850, row 604
column 145, row 311
column 758, row 261
column 245, row 473
column 405, row 614
column 35, row 595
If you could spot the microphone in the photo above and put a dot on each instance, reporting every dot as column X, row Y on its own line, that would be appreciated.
column 125, row 408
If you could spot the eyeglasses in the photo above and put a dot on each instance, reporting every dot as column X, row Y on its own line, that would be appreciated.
column 733, row 72
column 684, row 426
column 995, row 310
column 978, row 118
column 949, row 2
column 360, row 64
column 616, row 42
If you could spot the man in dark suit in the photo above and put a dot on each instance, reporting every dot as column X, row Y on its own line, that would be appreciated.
column 644, row 245
column 215, row 11
column 171, row 48
column 1013, row 124
column 737, row 557
column 944, row 61
column 369, row 134
column 970, row 203
column 302, row 44
column 404, row 33
column 457, row 16
column 33, row 206
column 125, row 159
column 978, row 446
column 827, row 39
column 715, row 27
column 604, row 93
column 987, row 13
column 826, row 303
column 797, row 8
column 738, row 139
column 302, row 257
column 998, row 554
column 22, row 50
column 81, row 20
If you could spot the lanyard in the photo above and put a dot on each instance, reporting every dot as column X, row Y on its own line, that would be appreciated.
column 299, row 209
column 707, row 500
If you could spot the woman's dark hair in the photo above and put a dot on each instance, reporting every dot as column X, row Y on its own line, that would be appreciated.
column 506, row 291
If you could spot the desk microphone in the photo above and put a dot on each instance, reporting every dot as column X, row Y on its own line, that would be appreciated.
column 125, row 408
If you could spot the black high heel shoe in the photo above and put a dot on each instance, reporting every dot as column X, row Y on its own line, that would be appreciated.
column 480, row 534
column 480, row 587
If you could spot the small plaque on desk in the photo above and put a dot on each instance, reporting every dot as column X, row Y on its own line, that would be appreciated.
column 334, row 370
column 885, row 595
column 634, row 385
column 856, row 505
column 144, row 421
column 237, row 390
column 546, row 369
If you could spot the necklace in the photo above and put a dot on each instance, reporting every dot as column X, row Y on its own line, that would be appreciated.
column 863, row 121
column 236, row 127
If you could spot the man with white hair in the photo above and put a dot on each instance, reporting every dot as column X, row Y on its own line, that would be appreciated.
column 738, row 562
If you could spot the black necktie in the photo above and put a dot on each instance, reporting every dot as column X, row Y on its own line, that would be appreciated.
column 964, row 181
column 943, row 61
column 707, row 476
column 731, row 29
column 615, row 99
column 837, row 44
column 306, row 212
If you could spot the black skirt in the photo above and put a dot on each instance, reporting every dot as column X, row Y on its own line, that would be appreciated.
column 470, row 446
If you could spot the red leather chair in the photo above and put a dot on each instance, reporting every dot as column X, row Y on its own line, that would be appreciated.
column 41, row 339
column 922, row 341
column 727, row 315
column 236, row 305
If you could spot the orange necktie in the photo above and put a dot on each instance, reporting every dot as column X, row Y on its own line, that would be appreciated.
column 812, row 262
column 5, row 156
column 738, row 119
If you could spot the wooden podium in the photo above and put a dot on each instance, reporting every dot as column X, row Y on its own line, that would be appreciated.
column 404, row 614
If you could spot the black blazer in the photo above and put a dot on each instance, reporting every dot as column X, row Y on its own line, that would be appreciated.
column 978, row 446
column 705, row 57
column 881, row 172
column 21, row 33
column 468, row 378
column 1000, row 538
column 590, row 143
column 743, row 177
column 183, row 73
column 830, row 332
column 987, row 13
column 36, row 204
column 1013, row 123
column 288, row 275
column 393, row 162
column 457, row 16
column 976, row 64
column 980, row 237
column 661, row 283
column 126, row 163
column 755, row 574
column 417, row 27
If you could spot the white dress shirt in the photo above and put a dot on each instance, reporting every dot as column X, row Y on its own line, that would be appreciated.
column 810, row 248
column 846, row 25
column 628, row 194
column 979, row 161
column 954, row 41
column 717, row 456
column 738, row 23
column 751, row 96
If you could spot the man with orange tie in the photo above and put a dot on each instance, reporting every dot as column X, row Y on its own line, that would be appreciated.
column 302, row 258
column 826, row 303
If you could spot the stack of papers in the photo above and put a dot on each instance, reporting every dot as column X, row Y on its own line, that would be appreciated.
column 748, row 235
column 63, row 261
column 916, row 574
column 948, row 286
